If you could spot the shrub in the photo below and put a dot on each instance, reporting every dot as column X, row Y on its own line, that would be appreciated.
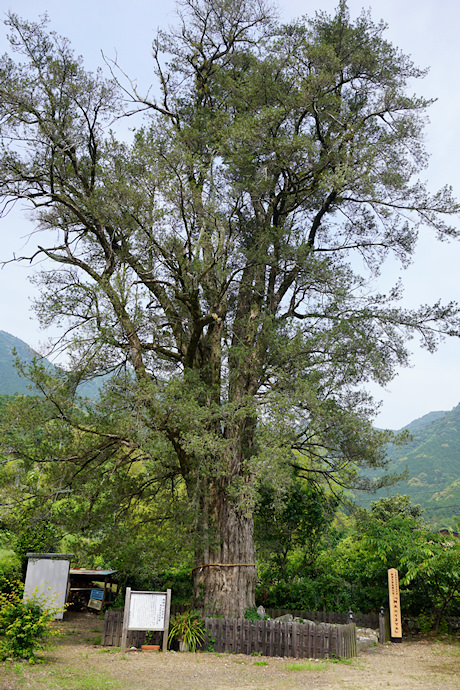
column 251, row 614
column 10, row 569
column 24, row 626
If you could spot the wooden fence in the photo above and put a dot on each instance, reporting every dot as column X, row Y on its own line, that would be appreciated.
column 275, row 638
column 111, row 633
column 269, row 638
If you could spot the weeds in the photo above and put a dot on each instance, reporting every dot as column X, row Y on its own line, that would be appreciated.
column 111, row 650
column 307, row 666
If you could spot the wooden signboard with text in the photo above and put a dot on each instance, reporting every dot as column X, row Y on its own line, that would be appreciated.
column 395, row 606
column 146, row 611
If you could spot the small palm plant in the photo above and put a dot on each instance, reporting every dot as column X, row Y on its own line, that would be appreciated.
column 188, row 628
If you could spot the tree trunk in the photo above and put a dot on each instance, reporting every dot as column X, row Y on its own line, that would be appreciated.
column 224, row 578
column 225, row 574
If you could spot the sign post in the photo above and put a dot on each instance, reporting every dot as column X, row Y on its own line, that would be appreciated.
column 395, row 606
column 146, row 611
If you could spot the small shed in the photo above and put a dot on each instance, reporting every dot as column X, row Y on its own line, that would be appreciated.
column 92, row 588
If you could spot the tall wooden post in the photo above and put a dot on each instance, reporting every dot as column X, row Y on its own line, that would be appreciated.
column 395, row 605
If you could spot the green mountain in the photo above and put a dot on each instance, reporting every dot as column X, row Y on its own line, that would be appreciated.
column 432, row 460
column 11, row 382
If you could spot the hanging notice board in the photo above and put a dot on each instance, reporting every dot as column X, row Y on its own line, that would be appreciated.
column 146, row 611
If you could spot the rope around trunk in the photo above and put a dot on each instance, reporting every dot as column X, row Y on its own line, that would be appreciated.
column 224, row 565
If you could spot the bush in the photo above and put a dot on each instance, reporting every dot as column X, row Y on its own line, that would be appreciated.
column 308, row 594
column 10, row 569
column 251, row 614
column 24, row 626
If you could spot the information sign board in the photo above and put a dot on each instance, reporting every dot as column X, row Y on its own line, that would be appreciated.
column 97, row 594
column 146, row 611
column 395, row 607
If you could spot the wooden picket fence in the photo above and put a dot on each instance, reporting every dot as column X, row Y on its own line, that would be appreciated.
column 111, row 633
column 277, row 638
column 268, row 637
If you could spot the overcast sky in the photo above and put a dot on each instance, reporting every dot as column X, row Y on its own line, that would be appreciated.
column 425, row 29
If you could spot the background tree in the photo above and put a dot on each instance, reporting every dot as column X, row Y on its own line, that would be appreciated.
column 293, row 525
column 394, row 534
column 75, row 487
column 222, row 259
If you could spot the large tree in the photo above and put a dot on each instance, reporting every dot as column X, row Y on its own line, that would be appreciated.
column 224, row 257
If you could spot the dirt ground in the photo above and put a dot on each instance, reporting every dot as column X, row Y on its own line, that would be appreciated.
column 75, row 662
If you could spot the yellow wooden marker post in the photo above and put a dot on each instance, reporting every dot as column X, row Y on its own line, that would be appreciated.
column 395, row 605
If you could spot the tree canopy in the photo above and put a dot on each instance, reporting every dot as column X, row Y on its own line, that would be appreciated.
column 220, row 264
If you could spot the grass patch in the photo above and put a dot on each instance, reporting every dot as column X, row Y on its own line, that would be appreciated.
column 64, row 678
column 342, row 660
column 307, row 666
column 70, row 677
column 110, row 650
column 260, row 663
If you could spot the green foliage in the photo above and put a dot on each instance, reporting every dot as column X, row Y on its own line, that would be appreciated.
column 36, row 535
column 10, row 563
column 24, row 626
column 187, row 627
column 434, row 561
column 351, row 565
column 10, row 568
column 425, row 623
column 179, row 582
column 251, row 614
column 306, row 666
column 387, row 508
column 105, row 506
column 289, row 528
column 293, row 532
column 211, row 641
column 393, row 535
column 318, row 588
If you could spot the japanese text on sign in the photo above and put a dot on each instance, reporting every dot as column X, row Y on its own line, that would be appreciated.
column 147, row 611
column 395, row 608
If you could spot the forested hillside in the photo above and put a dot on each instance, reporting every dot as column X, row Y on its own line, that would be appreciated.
column 10, row 380
column 432, row 459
